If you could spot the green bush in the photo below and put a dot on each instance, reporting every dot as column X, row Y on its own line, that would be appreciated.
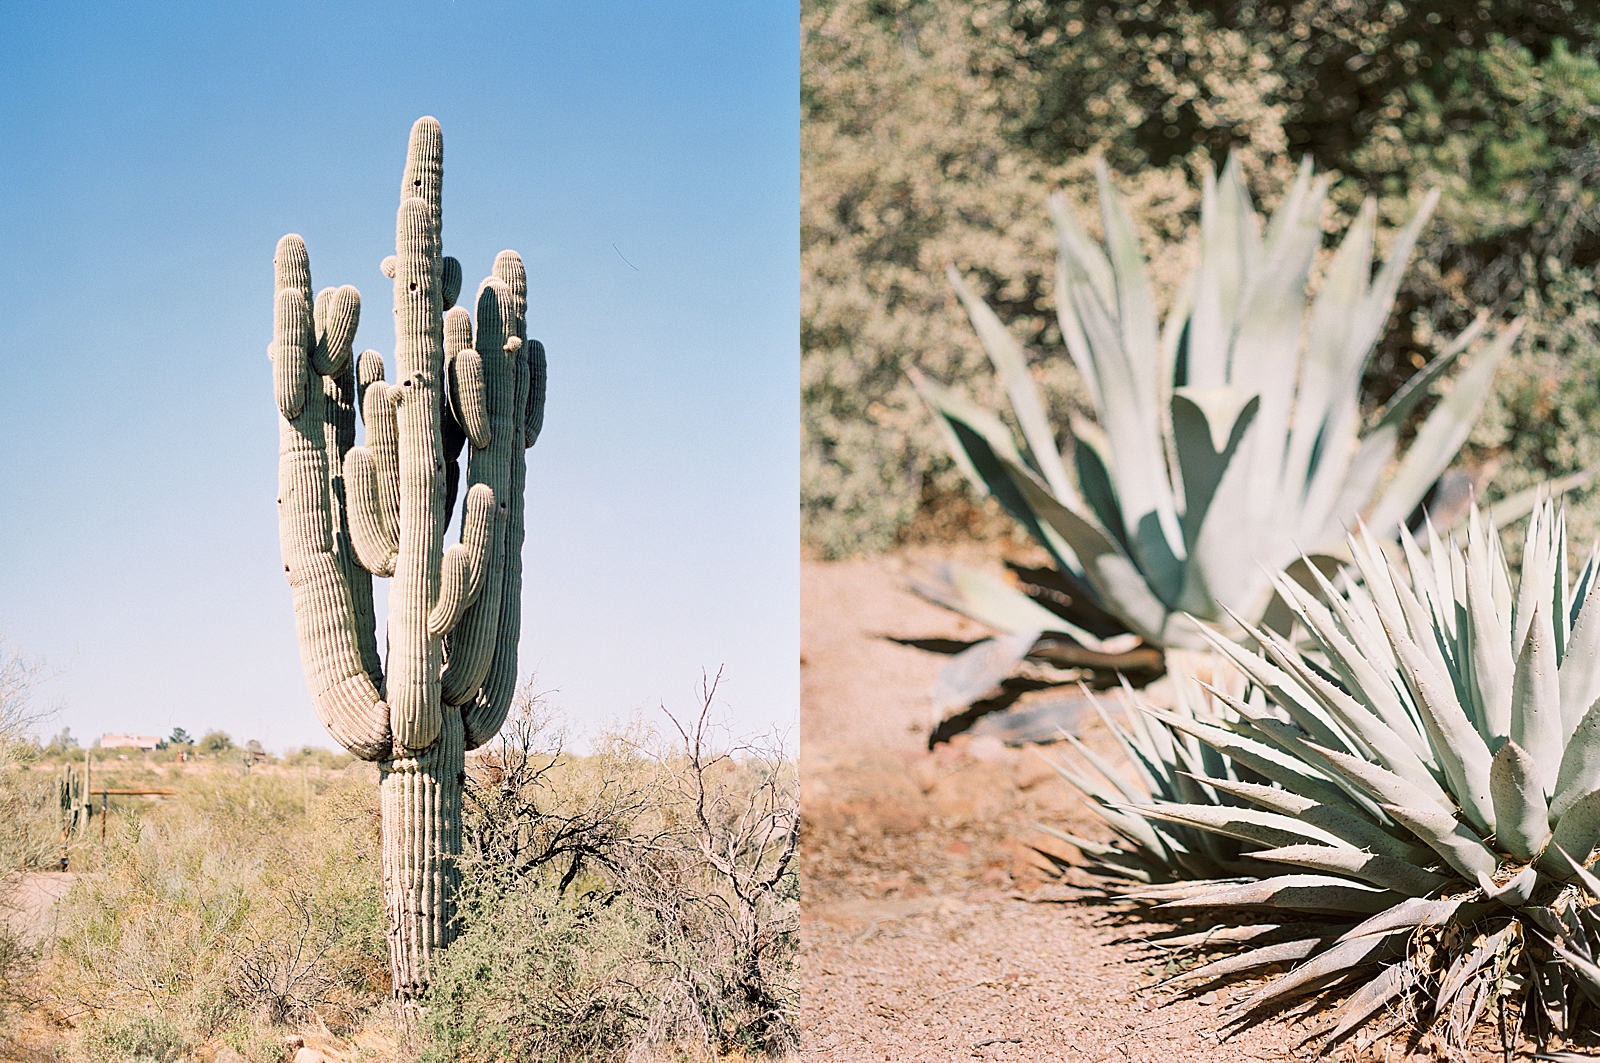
column 132, row 1039
column 541, row 975
column 215, row 742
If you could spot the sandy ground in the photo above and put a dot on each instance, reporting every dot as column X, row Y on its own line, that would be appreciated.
column 929, row 930
column 30, row 902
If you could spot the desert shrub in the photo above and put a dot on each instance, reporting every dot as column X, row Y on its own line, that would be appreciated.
column 31, row 839
column 931, row 131
column 132, row 1039
column 317, row 757
column 227, row 907
column 641, row 895
column 539, row 973
column 62, row 745
column 30, row 842
column 30, row 808
column 215, row 742
column 905, row 167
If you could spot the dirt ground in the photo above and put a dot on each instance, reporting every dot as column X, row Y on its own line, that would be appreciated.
column 929, row 930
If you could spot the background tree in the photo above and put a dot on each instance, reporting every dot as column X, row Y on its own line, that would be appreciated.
column 215, row 742
column 1489, row 102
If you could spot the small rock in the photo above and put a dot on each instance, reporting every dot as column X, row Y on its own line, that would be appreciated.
column 311, row 1055
column 1207, row 1000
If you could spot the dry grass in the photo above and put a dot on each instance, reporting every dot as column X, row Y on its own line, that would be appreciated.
column 245, row 909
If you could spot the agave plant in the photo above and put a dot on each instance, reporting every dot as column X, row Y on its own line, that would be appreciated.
column 1230, row 442
column 1421, row 772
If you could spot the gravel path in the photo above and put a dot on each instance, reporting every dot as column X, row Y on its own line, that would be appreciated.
column 929, row 930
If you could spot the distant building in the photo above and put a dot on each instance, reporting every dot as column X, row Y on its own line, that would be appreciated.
column 129, row 741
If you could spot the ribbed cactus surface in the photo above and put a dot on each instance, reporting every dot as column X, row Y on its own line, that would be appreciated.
column 348, row 512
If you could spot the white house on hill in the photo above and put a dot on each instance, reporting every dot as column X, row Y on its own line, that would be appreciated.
column 129, row 741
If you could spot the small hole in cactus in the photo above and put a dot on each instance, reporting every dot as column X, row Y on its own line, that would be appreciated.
column 413, row 285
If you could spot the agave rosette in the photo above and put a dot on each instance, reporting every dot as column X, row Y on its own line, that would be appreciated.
column 1421, row 770
column 1230, row 440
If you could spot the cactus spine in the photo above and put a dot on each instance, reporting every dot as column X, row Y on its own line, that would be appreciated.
column 347, row 513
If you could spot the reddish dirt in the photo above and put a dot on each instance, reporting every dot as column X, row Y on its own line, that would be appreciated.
column 929, row 929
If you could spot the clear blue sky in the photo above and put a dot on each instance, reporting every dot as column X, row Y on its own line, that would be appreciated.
column 154, row 153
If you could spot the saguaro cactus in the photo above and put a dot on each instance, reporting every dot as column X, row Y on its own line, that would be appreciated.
column 347, row 513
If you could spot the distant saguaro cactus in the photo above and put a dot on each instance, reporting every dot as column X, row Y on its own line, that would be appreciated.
column 347, row 513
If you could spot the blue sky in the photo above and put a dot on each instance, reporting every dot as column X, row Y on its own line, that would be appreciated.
column 644, row 160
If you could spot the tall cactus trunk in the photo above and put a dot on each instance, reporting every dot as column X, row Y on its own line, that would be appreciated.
column 348, row 512
column 421, row 820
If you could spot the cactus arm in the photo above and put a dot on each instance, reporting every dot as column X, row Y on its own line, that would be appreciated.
column 369, row 371
column 470, row 398
column 508, row 267
column 488, row 709
column 457, row 338
column 340, row 395
column 343, row 692
column 536, row 381
column 383, row 442
column 335, row 314
column 451, row 279
column 461, row 576
column 288, row 352
column 374, row 546
column 538, row 373
column 414, row 657
column 454, row 577
column 457, row 330
column 470, row 647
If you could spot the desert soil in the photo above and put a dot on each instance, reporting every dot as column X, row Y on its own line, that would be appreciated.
column 930, row 929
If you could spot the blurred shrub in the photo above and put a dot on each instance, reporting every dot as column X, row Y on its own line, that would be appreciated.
column 931, row 131
column 215, row 742
column 318, row 757
column 905, row 165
